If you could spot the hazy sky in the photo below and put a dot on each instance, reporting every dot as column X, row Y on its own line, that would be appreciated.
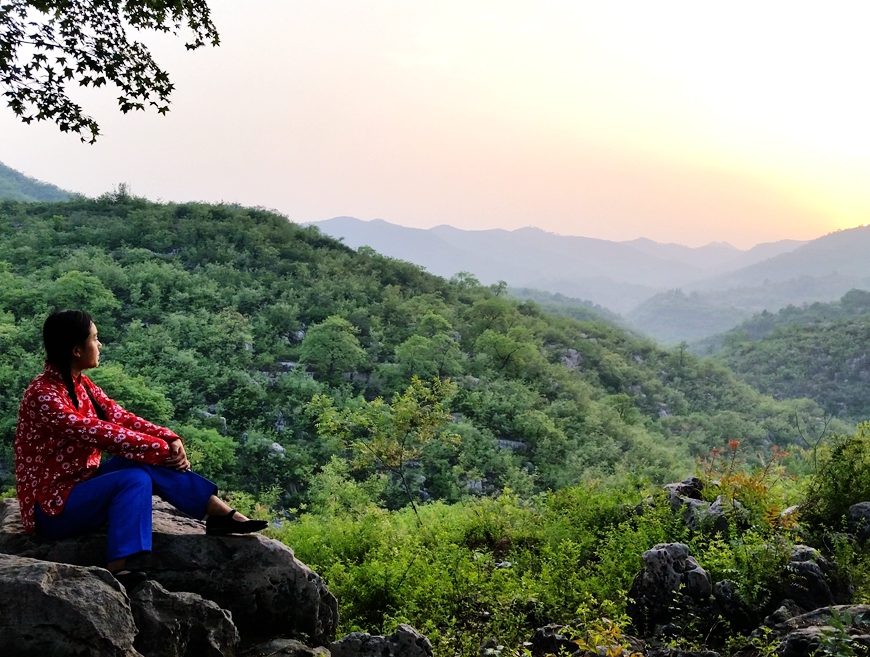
column 678, row 121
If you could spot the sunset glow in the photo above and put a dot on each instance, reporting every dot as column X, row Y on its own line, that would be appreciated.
column 679, row 121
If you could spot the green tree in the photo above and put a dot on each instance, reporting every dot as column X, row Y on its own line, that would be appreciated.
column 387, row 437
column 331, row 347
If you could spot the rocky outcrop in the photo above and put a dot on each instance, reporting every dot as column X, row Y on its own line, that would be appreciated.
column 670, row 579
column 802, row 635
column 858, row 518
column 690, row 487
column 813, row 581
column 556, row 639
column 180, row 624
column 268, row 591
column 285, row 648
column 58, row 609
column 404, row 642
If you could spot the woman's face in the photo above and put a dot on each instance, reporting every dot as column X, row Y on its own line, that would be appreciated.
column 87, row 354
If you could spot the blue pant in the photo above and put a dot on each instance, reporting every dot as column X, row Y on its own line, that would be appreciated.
column 120, row 492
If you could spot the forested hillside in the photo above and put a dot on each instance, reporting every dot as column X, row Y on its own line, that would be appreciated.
column 17, row 186
column 225, row 322
column 819, row 351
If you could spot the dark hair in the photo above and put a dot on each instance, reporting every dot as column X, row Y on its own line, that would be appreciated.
column 63, row 330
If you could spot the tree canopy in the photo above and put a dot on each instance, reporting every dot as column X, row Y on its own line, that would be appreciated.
column 48, row 45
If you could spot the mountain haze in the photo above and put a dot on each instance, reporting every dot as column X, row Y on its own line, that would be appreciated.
column 616, row 275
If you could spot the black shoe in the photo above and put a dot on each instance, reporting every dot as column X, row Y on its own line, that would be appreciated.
column 130, row 579
column 223, row 525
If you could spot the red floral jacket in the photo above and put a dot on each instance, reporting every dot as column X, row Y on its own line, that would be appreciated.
column 58, row 445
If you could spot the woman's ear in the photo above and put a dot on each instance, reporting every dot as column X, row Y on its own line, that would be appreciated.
column 77, row 351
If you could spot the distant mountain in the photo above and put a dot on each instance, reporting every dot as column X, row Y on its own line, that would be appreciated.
column 842, row 254
column 716, row 257
column 674, row 316
column 616, row 275
column 17, row 186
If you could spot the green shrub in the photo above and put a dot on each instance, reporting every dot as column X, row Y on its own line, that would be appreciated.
column 842, row 479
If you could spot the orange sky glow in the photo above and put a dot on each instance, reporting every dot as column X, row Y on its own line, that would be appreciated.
column 679, row 121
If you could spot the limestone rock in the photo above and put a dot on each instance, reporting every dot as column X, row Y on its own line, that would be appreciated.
column 268, row 591
column 552, row 640
column 285, row 648
column 733, row 607
column 666, row 568
column 800, row 636
column 858, row 518
column 814, row 581
column 690, row 487
column 180, row 624
column 404, row 642
column 58, row 609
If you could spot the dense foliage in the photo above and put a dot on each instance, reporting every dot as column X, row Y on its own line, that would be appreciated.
column 226, row 322
column 500, row 568
column 817, row 351
column 440, row 452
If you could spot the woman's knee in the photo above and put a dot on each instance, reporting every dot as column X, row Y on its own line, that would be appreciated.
column 134, row 479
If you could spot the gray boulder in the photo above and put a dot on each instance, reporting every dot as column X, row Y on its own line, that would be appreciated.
column 58, row 609
column 814, row 581
column 180, row 624
column 670, row 578
column 285, row 648
column 404, row 642
column 802, row 635
column 858, row 518
column 552, row 639
column 690, row 487
column 268, row 591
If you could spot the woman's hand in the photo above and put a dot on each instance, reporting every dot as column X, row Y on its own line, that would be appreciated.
column 177, row 459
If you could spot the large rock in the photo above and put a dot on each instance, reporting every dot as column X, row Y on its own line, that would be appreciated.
column 404, row 642
column 556, row 639
column 858, row 518
column 814, row 581
column 58, row 609
column 268, row 591
column 690, row 487
column 670, row 579
column 285, row 648
column 180, row 624
column 802, row 635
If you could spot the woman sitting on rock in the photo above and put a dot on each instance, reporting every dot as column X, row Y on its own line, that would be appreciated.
column 65, row 421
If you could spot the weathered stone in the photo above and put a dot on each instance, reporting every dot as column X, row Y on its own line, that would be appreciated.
column 858, row 518
column 801, row 635
column 668, row 573
column 180, row 624
column 788, row 609
column 58, row 609
column 404, row 642
column 800, row 643
column 285, row 648
column 552, row 640
column 673, row 652
column 268, row 591
column 733, row 607
column 690, row 487
column 814, row 581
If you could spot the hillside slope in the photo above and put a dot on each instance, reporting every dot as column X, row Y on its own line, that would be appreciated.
column 17, row 186
column 821, row 351
column 207, row 310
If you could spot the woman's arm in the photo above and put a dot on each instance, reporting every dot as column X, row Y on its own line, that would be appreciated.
column 49, row 408
column 116, row 414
